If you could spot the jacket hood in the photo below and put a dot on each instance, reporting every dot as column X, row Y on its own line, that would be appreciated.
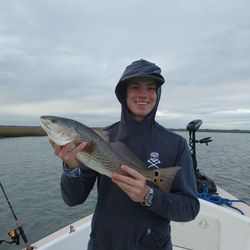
column 140, row 68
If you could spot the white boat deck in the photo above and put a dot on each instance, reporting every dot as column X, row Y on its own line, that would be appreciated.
column 215, row 228
column 240, row 205
column 58, row 240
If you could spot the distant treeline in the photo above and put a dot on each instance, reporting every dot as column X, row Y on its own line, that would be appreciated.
column 17, row 131
column 216, row 130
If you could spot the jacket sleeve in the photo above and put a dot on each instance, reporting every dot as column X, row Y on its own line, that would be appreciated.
column 182, row 203
column 75, row 190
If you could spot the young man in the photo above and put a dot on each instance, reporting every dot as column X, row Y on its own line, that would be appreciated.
column 130, row 212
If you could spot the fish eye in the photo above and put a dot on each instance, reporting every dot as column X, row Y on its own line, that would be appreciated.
column 53, row 120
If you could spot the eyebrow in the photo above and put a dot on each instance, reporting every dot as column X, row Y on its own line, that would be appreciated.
column 137, row 83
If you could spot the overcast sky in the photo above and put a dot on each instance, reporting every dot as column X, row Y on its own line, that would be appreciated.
column 64, row 58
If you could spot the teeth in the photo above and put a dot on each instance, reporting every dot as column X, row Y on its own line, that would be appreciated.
column 141, row 103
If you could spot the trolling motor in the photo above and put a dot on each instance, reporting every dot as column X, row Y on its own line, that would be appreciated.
column 202, row 180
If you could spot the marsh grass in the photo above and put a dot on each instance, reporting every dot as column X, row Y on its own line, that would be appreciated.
column 17, row 131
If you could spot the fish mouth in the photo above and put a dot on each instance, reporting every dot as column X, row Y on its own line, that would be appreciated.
column 44, row 124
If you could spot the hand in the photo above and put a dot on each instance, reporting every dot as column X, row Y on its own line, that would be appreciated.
column 68, row 152
column 134, row 185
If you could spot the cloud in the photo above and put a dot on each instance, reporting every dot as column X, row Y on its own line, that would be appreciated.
column 66, row 57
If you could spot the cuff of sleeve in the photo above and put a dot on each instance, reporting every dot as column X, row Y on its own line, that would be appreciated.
column 161, row 203
column 73, row 173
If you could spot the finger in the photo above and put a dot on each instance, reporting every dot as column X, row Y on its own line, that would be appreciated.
column 65, row 150
column 132, row 172
column 57, row 149
column 69, row 151
column 122, row 178
column 124, row 186
column 127, row 183
column 80, row 147
column 135, row 193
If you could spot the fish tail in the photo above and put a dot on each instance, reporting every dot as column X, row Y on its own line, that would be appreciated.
column 164, row 177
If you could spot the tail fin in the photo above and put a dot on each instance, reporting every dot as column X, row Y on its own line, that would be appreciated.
column 163, row 177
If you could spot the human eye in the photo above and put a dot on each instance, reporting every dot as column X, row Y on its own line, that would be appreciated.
column 133, row 86
column 152, row 87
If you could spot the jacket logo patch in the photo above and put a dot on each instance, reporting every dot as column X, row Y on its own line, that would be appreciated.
column 154, row 160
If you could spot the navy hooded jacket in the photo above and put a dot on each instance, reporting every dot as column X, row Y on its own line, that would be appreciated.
column 118, row 222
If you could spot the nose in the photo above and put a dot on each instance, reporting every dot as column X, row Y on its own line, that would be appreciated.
column 142, row 93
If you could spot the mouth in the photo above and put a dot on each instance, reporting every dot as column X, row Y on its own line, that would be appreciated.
column 141, row 103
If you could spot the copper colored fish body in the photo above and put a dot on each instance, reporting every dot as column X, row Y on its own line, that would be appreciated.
column 103, row 157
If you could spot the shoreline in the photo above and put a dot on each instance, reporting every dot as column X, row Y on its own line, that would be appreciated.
column 21, row 131
column 234, row 131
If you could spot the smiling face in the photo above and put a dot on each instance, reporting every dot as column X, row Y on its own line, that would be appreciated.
column 141, row 97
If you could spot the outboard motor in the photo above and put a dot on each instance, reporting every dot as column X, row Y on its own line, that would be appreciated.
column 202, row 180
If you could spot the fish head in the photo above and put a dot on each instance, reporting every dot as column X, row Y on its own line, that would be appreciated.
column 60, row 130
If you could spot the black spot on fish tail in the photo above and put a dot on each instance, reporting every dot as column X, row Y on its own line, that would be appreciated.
column 164, row 177
column 156, row 173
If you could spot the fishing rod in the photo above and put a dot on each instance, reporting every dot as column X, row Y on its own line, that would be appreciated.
column 13, row 234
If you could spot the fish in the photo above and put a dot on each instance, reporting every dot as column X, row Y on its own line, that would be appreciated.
column 103, row 156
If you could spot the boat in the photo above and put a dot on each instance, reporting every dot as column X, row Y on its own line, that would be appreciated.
column 223, row 222
column 215, row 228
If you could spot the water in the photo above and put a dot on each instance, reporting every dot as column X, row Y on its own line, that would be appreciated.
column 30, row 174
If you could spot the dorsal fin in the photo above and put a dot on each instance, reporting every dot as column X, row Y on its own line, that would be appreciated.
column 102, row 133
